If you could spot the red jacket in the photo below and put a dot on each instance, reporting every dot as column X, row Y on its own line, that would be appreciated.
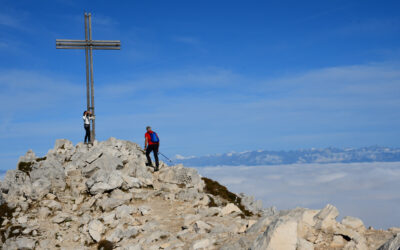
column 148, row 137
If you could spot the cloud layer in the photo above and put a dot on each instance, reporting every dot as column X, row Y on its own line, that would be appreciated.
column 369, row 191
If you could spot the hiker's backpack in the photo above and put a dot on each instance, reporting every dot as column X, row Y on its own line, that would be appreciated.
column 154, row 137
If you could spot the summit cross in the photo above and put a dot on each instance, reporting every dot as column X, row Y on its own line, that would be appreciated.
column 89, row 45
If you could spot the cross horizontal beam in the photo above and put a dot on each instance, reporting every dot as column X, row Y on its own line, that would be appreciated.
column 82, row 44
column 84, row 47
column 102, row 41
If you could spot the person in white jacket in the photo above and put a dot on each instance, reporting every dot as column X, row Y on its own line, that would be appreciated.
column 87, row 116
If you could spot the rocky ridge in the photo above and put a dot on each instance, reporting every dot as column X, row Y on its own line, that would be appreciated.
column 104, row 197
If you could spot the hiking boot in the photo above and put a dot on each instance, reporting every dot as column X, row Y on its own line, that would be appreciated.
column 156, row 169
column 149, row 164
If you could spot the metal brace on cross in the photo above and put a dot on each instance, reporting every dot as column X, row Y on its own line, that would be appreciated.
column 89, row 45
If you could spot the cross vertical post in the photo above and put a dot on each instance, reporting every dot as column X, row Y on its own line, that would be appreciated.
column 89, row 45
column 91, row 78
column 87, row 66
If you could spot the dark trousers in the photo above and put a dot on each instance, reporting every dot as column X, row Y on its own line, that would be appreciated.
column 87, row 134
column 154, row 148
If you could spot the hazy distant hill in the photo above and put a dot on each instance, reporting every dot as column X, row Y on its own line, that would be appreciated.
column 264, row 157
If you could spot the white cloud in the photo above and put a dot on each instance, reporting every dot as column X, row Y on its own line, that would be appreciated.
column 12, row 21
column 365, row 190
column 187, row 40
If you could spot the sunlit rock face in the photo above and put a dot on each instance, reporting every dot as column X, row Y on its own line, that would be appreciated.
column 103, row 196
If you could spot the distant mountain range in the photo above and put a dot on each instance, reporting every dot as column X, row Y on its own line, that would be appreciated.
column 264, row 157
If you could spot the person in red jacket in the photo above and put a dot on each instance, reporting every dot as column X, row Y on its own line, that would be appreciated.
column 151, row 143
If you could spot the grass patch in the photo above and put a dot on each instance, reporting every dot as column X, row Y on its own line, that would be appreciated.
column 212, row 203
column 15, row 231
column 41, row 159
column 5, row 213
column 216, row 189
column 25, row 167
column 105, row 245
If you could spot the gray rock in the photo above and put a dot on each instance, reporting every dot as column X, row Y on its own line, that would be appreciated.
column 201, row 227
column 61, row 217
column 261, row 224
column 95, row 230
column 93, row 155
column 270, row 211
column 16, row 183
column 121, row 195
column 63, row 144
column 392, row 244
column 109, row 204
column 304, row 245
column 254, row 206
column 157, row 235
column 131, row 182
column 202, row 244
column 140, row 171
column 47, row 176
column 106, row 163
column 103, row 181
column 280, row 234
column 144, row 210
column 29, row 156
column 150, row 226
column 326, row 218
column 181, row 176
column 354, row 223
column 189, row 194
column 124, row 211
column 52, row 204
column 20, row 243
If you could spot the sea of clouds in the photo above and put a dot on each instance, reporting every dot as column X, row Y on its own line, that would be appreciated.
column 370, row 191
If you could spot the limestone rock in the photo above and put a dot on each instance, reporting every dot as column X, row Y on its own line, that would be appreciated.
column 326, row 218
column 61, row 217
column 96, row 229
column 303, row 244
column 106, row 163
column 280, row 234
column 103, row 181
column 392, row 244
column 23, row 243
column 354, row 223
column 188, row 177
column 201, row 227
column 229, row 208
column 202, row 244
column 28, row 157
column 250, row 204
column 77, row 196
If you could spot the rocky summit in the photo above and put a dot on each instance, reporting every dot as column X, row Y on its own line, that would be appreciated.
column 103, row 196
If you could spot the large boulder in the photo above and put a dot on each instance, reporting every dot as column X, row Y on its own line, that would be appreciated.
column 252, row 205
column 103, row 181
column 354, row 223
column 30, row 156
column 326, row 218
column 98, row 161
column 139, row 171
column 47, row 176
column 96, row 229
column 185, row 177
column 16, row 183
column 280, row 234
column 392, row 244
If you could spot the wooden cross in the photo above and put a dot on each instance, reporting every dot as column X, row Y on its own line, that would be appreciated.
column 89, row 45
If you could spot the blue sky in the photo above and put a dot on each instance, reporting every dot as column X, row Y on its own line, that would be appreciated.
column 209, row 76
